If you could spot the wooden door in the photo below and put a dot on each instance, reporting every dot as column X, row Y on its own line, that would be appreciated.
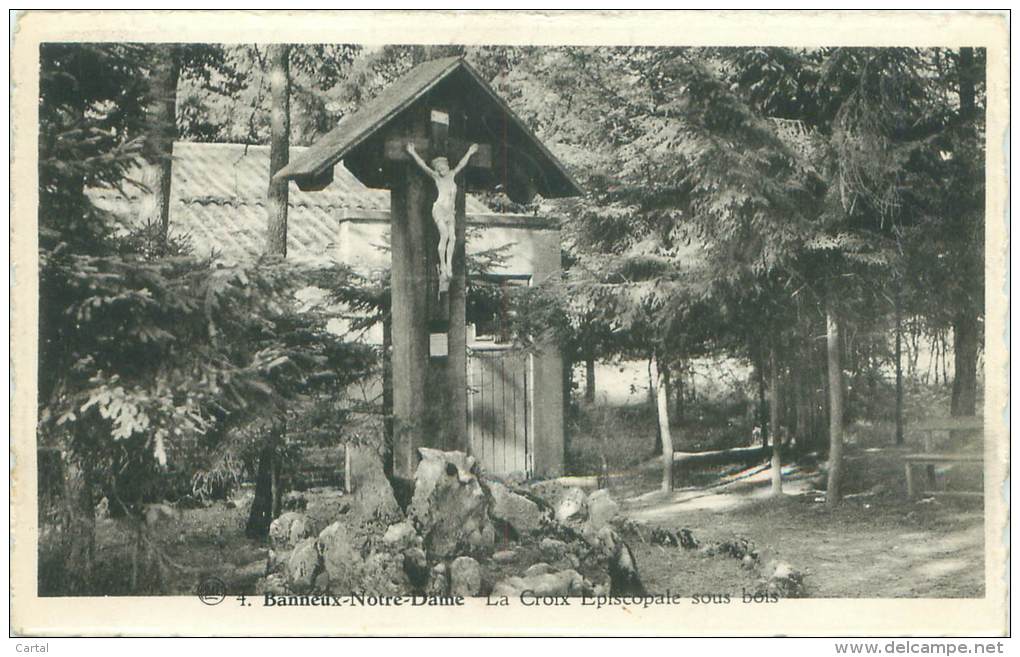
column 499, row 390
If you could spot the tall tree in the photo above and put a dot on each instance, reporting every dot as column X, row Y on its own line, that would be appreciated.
column 660, row 380
column 279, row 149
column 833, row 489
column 774, row 419
column 898, row 310
column 966, row 326
column 267, row 502
column 163, row 113
column 91, row 134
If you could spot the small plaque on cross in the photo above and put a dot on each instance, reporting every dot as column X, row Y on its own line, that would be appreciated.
column 438, row 344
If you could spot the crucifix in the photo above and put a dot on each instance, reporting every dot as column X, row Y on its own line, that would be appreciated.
column 443, row 213
column 436, row 145
column 427, row 235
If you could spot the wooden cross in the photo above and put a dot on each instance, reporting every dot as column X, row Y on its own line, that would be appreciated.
column 438, row 142
column 431, row 397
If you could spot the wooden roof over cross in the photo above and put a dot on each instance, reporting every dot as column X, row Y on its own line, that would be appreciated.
column 518, row 163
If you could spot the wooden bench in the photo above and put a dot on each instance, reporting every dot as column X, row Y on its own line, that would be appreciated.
column 967, row 423
column 931, row 460
column 931, row 457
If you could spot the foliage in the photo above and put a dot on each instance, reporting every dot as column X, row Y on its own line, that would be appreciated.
column 91, row 130
column 168, row 355
column 224, row 92
column 152, row 360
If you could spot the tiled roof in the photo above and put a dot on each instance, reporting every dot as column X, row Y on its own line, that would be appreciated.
column 218, row 196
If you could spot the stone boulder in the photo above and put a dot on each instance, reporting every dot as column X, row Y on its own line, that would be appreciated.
column 276, row 560
column 540, row 568
column 416, row 567
column 681, row 538
column 523, row 515
column 303, row 566
column 602, row 508
column 465, row 577
column 381, row 573
column 570, row 505
column 439, row 580
column 274, row 584
column 449, row 508
column 326, row 535
column 782, row 580
column 564, row 582
column 553, row 549
column 301, row 528
column 341, row 556
column 400, row 536
column 372, row 499
column 355, row 559
column 279, row 530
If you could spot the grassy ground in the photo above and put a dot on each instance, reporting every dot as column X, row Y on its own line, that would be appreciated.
column 875, row 544
column 204, row 542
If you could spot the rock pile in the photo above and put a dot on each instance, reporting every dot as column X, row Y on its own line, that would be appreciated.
column 462, row 534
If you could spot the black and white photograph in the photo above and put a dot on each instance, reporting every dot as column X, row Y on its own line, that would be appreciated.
column 468, row 329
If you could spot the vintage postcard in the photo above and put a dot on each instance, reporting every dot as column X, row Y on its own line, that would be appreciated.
column 509, row 323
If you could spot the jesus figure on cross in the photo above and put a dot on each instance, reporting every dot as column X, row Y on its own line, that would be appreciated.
column 443, row 210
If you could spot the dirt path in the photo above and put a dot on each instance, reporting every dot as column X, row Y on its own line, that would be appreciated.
column 878, row 545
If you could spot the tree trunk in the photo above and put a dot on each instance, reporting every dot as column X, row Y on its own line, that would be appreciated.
column 966, row 327
column 899, row 371
column 679, row 394
column 657, row 447
column 263, row 505
column 833, row 494
column 802, row 409
column 276, row 486
column 78, row 527
column 777, row 463
column 965, row 352
column 945, row 370
column 660, row 379
column 651, row 382
column 762, row 404
column 916, row 338
column 279, row 148
column 589, row 380
column 164, row 113
column 268, row 496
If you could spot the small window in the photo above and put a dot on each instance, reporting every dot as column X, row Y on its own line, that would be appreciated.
column 488, row 306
